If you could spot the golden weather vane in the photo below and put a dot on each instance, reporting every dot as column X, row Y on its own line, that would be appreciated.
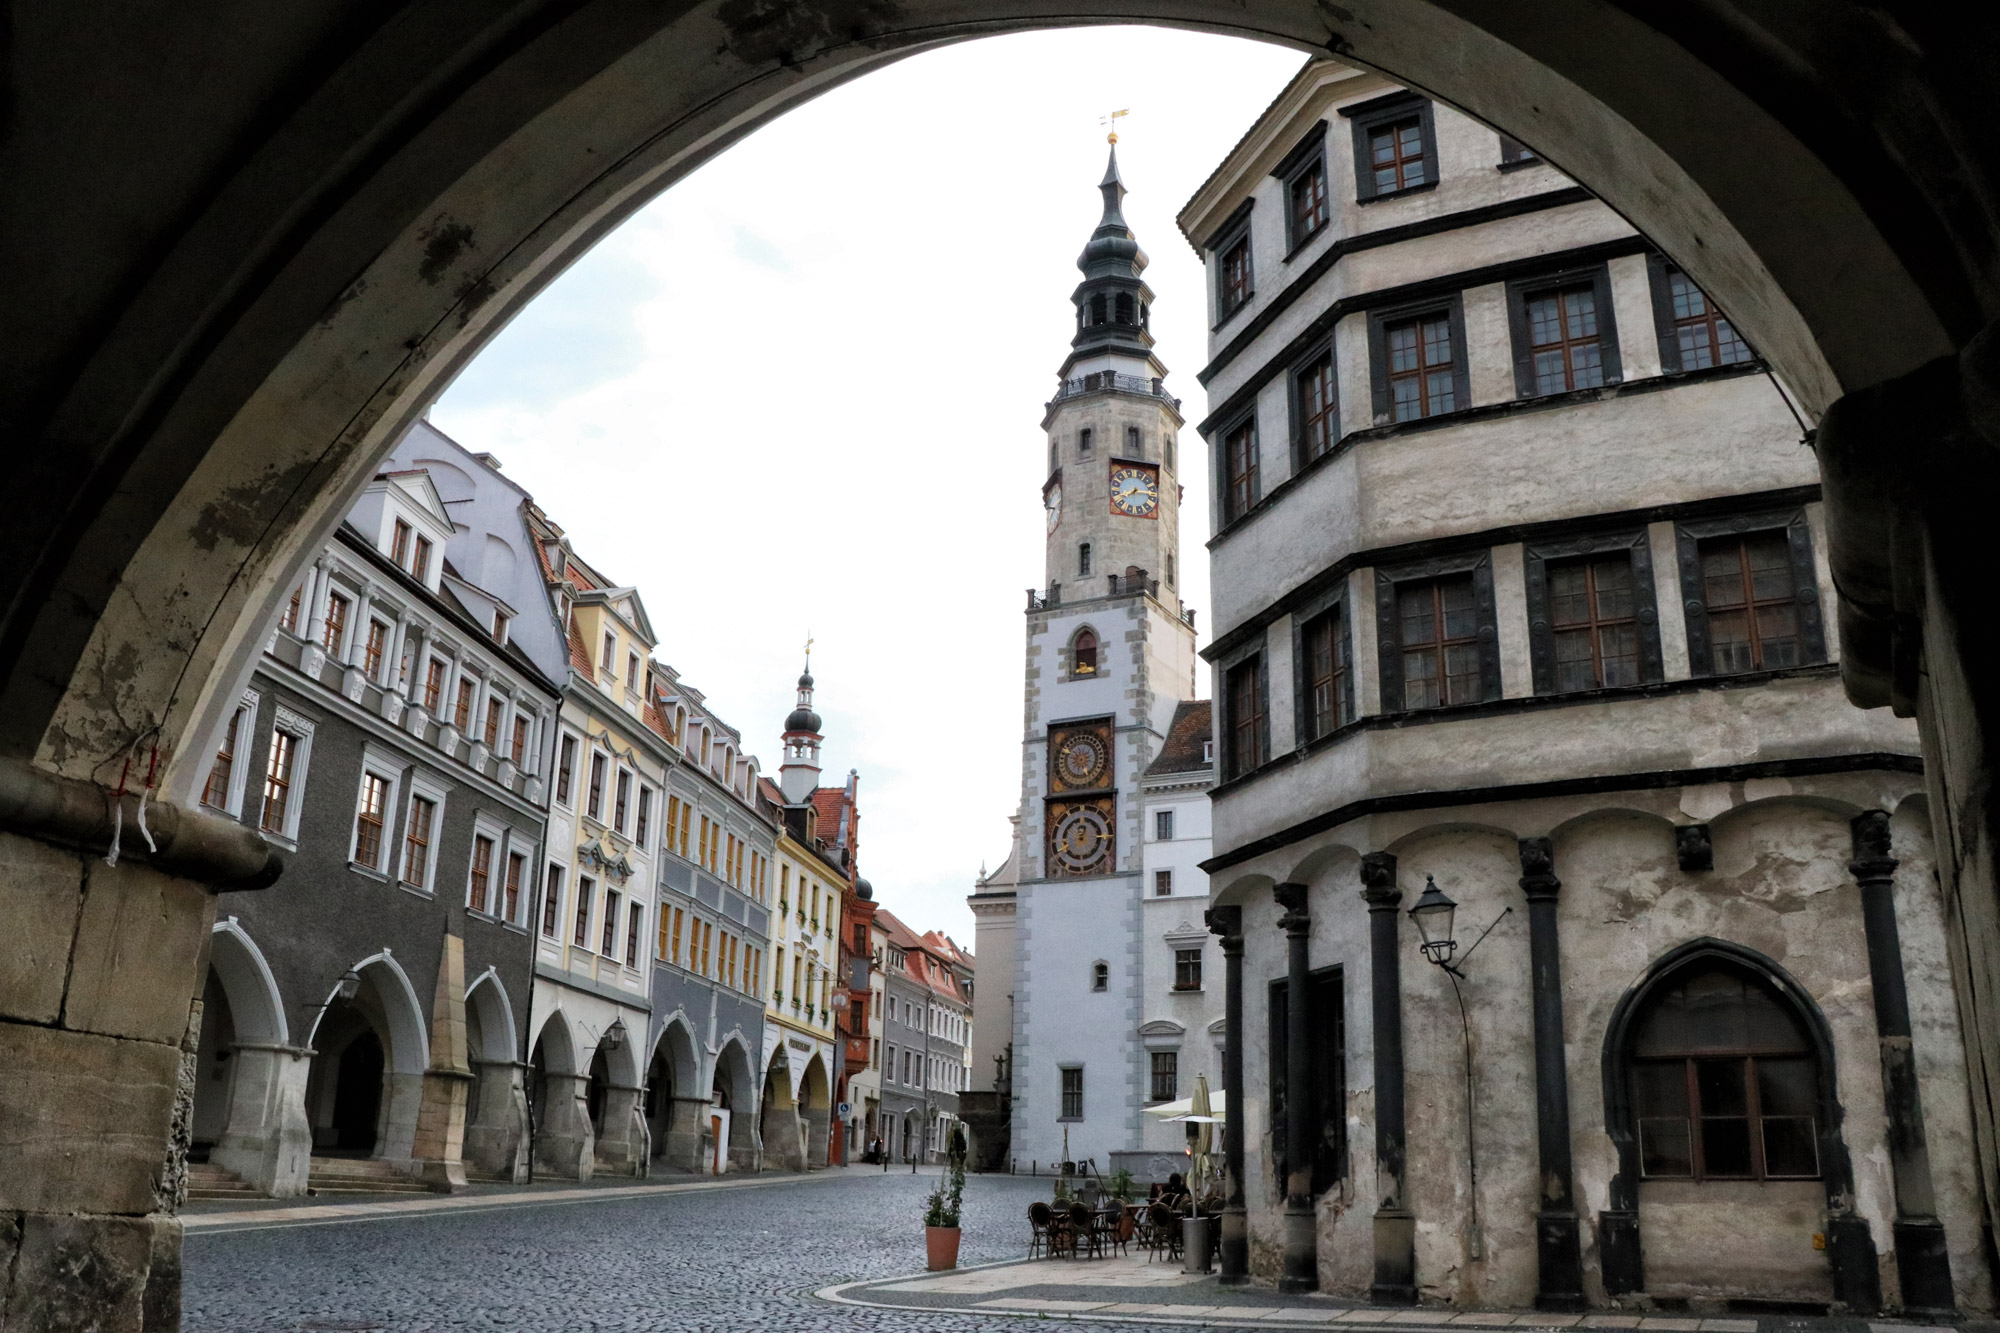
column 1112, row 120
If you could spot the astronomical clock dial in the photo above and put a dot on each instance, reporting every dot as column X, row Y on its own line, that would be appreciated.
column 1080, row 838
column 1135, row 490
column 1052, row 502
column 1082, row 761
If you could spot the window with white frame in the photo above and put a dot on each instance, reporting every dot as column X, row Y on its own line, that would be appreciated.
column 285, row 764
column 621, row 805
column 594, row 798
column 565, row 769
column 374, row 803
column 644, row 818
column 423, row 823
column 552, row 887
column 610, row 653
column 586, row 898
column 1163, row 825
column 479, row 872
column 514, row 879
column 230, row 769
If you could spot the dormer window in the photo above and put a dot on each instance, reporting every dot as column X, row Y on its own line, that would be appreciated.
column 610, row 653
column 632, row 672
column 420, row 564
column 501, row 620
column 399, row 544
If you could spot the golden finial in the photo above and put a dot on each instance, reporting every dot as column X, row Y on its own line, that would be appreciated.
column 1112, row 121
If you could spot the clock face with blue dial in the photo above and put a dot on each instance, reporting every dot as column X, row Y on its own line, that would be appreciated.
column 1135, row 490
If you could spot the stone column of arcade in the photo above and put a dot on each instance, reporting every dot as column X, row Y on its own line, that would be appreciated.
column 682, row 1150
column 1923, row 1264
column 1301, row 1271
column 563, row 1141
column 1235, row 1251
column 1558, row 1234
column 1395, row 1227
column 625, row 1147
column 99, row 1022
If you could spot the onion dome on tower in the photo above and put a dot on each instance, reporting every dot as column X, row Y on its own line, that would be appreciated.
column 798, row 775
column 1113, row 303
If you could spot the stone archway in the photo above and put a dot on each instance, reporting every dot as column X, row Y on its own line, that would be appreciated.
column 367, row 1078
column 816, row 1111
column 497, row 1133
column 673, row 1111
column 778, row 1117
column 616, row 1103
column 250, row 1080
column 734, row 1089
column 207, row 348
column 558, row 1087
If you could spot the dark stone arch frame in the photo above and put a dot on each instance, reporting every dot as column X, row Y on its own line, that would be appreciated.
column 1850, row 1250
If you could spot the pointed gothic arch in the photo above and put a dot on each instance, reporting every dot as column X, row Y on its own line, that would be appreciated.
column 1850, row 1251
column 1082, row 656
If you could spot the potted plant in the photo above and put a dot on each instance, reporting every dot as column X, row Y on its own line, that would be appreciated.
column 941, row 1220
column 1120, row 1185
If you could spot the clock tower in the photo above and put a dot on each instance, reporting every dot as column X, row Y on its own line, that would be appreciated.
column 1110, row 656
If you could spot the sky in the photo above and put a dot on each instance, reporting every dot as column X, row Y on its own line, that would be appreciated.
column 801, row 394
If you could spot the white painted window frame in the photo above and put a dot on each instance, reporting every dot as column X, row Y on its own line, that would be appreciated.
column 300, row 728
column 421, row 785
column 484, row 825
column 239, row 768
column 389, row 765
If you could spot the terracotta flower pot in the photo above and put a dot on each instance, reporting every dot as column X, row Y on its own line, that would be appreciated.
column 940, row 1248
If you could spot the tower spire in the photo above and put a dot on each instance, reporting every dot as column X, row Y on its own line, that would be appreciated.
column 798, row 776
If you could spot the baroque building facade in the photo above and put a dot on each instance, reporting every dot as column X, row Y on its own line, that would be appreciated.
column 1519, row 569
column 361, row 1021
column 649, row 929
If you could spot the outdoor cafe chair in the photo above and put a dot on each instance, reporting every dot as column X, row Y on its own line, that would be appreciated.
column 1084, row 1231
column 1041, row 1219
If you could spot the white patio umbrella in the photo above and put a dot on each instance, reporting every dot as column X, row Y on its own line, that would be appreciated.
column 1182, row 1109
column 1204, row 1121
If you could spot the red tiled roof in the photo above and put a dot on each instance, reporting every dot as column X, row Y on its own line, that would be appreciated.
column 772, row 791
column 579, row 652
column 1192, row 725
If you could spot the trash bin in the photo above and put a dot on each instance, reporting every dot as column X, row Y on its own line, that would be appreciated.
column 1197, row 1243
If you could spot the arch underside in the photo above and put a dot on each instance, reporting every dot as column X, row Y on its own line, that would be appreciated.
column 209, row 404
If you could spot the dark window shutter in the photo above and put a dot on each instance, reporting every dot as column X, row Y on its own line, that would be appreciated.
column 1607, row 327
column 1663, row 313
column 1429, row 133
column 1489, row 628
column 1701, row 655
column 1461, row 353
column 1646, row 609
column 1278, row 1011
column 1388, row 643
column 1805, row 585
column 1524, row 352
column 1364, row 175
column 1378, row 368
column 1345, row 627
column 1541, row 634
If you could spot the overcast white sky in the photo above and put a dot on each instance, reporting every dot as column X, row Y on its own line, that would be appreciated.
column 803, row 391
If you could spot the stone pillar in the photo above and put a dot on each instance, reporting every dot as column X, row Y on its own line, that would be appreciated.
column 497, row 1140
column 682, row 1149
column 268, row 1140
column 1558, row 1234
column 625, row 1146
column 1395, row 1228
column 818, row 1130
column 436, row 1152
column 1301, row 1270
column 564, row 1144
column 1235, row 1248
column 99, row 1016
column 1923, row 1264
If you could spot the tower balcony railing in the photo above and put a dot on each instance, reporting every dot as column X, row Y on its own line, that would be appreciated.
column 1121, row 585
column 1109, row 379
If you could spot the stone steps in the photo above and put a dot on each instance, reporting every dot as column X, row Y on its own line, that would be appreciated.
column 359, row 1175
column 208, row 1181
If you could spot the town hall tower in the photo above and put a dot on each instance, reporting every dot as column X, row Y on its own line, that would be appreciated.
column 1110, row 656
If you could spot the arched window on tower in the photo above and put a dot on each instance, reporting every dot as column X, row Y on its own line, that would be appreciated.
column 1097, row 315
column 1083, row 654
column 1170, row 569
column 1125, row 313
column 1082, row 559
column 1100, row 976
column 1083, row 443
column 1134, row 443
column 1725, row 1082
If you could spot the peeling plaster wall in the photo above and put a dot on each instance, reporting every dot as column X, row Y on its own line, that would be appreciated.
column 1780, row 885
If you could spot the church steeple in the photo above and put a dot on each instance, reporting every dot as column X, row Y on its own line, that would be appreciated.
column 1113, row 302
column 798, row 776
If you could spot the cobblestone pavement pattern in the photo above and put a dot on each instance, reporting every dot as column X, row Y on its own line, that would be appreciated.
column 743, row 1259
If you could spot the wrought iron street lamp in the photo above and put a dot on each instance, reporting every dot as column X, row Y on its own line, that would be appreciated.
column 1434, row 914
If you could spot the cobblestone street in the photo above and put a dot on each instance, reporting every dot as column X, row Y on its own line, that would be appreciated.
column 736, row 1259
